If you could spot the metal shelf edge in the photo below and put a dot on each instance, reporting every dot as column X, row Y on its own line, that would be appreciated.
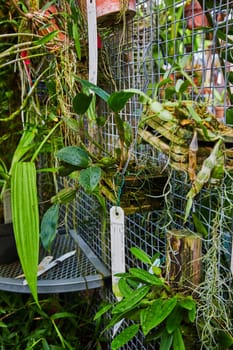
column 64, row 285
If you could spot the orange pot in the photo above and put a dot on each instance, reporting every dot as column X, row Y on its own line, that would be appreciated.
column 195, row 15
column 48, row 17
column 109, row 10
column 220, row 113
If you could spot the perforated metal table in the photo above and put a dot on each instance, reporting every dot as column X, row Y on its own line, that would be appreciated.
column 82, row 271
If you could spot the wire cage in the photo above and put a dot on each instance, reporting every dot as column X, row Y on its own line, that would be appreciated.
column 191, row 40
column 189, row 45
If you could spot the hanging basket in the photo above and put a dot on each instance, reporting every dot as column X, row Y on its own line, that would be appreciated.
column 174, row 137
column 112, row 11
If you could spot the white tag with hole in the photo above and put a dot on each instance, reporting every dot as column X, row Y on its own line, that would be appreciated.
column 92, row 41
column 117, row 225
column 117, row 246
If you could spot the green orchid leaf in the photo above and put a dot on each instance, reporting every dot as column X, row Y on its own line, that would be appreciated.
column 123, row 338
column 178, row 343
column 25, row 217
column 156, row 313
column 199, row 226
column 146, row 277
column 132, row 300
column 187, row 303
column 166, row 341
column 98, row 91
column 173, row 321
column 3, row 325
column 178, row 85
column 45, row 344
column 114, row 320
column 118, row 100
column 141, row 255
column 157, row 271
column 3, row 167
column 60, row 315
column 46, row 38
column 72, row 124
column 81, row 102
column 25, row 143
column 76, row 37
column 124, row 288
column 49, row 226
column 143, row 98
column 64, row 196
column 128, row 133
column 74, row 155
column 89, row 178
column 192, row 314
column 102, row 311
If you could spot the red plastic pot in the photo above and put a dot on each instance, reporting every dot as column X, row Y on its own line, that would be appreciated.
column 108, row 11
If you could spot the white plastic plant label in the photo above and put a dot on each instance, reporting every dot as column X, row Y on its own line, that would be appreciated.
column 92, row 40
column 117, row 246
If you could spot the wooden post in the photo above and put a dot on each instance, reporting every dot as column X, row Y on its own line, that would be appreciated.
column 183, row 256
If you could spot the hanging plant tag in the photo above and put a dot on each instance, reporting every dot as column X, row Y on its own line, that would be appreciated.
column 92, row 40
column 117, row 246
column 117, row 225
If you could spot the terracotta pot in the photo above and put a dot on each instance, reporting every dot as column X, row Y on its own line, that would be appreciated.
column 220, row 113
column 195, row 15
column 108, row 11
column 8, row 251
column 50, row 24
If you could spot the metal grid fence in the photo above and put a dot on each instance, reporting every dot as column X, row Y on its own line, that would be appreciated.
column 138, row 58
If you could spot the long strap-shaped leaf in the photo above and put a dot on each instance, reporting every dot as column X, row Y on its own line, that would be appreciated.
column 25, row 216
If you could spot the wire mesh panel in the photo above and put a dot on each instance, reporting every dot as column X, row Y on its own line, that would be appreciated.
column 176, row 51
column 143, row 230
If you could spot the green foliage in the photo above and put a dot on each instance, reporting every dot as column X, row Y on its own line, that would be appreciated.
column 26, row 227
column 76, row 37
column 141, row 255
column 24, row 145
column 74, row 155
column 89, row 178
column 158, row 311
column 126, row 335
column 76, row 163
column 98, row 91
column 49, row 226
column 63, row 322
column 81, row 103
column 46, row 38
column 128, row 303
column 118, row 100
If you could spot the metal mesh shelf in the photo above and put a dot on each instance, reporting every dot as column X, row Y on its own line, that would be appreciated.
column 81, row 271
